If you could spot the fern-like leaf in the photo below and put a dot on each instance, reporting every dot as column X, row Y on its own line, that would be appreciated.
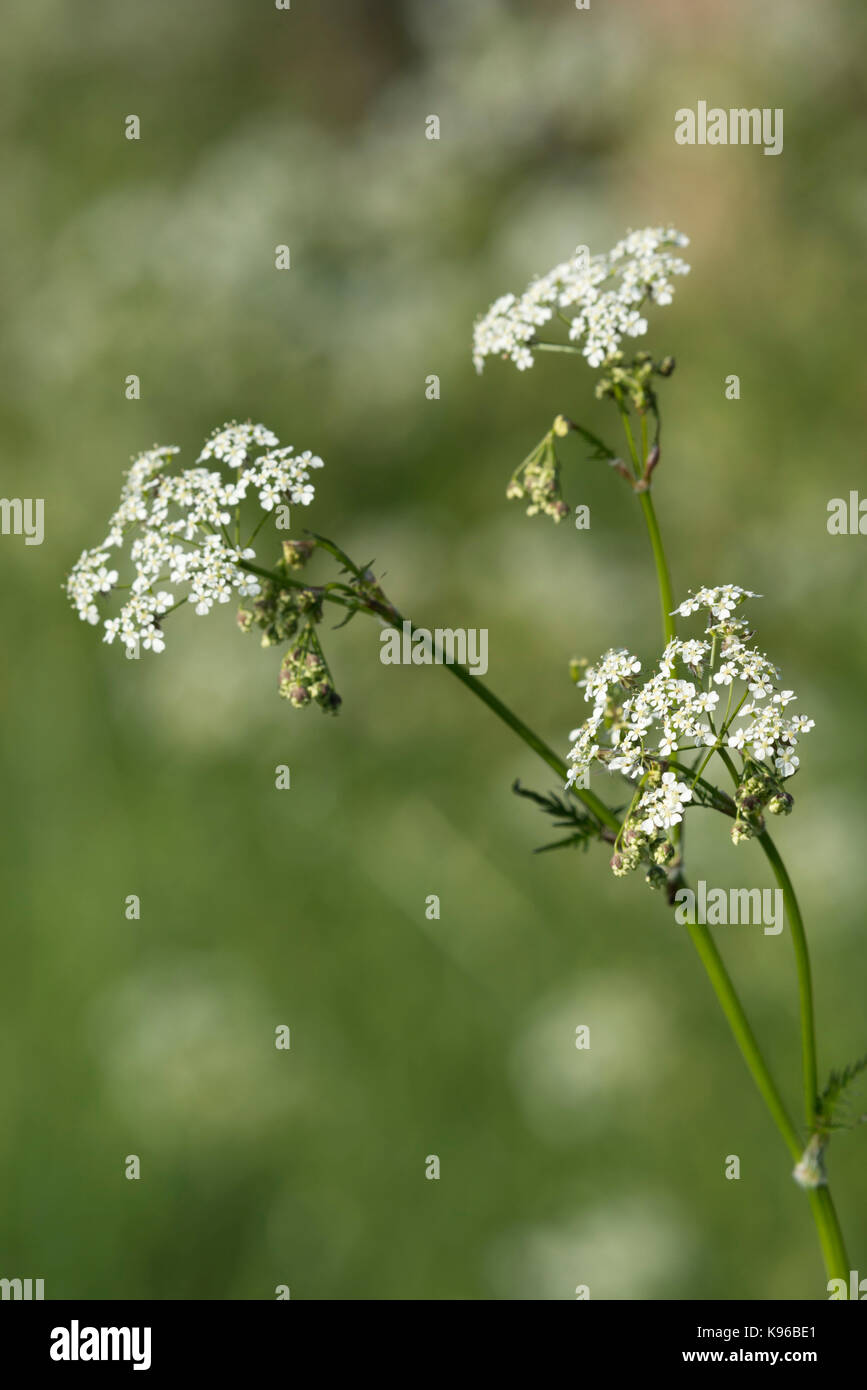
column 567, row 816
column 833, row 1109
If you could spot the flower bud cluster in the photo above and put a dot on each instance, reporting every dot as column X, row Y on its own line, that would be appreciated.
column 304, row 677
column 758, row 792
column 537, row 480
column 632, row 380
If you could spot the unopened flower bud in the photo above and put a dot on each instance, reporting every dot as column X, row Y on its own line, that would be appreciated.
column 325, row 695
column 297, row 553
column 618, row 866
column 664, row 852
column 656, row 876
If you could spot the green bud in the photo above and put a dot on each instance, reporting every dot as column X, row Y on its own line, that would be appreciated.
column 297, row 553
column 741, row 831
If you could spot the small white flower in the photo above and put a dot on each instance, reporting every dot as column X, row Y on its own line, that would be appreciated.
column 270, row 496
column 726, row 673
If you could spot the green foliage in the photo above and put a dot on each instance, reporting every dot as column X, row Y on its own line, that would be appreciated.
column 834, row 1102
column 567, row 814
column 599, row 448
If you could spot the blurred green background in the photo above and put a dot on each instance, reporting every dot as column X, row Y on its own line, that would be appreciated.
column 306, row 907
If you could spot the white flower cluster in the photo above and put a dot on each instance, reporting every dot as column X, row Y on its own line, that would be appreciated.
column 662, row 806
column 672, row 714
column 599, row 296
column 629, row 734
column 180, row 523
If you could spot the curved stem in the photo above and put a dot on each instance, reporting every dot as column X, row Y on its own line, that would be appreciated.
column 805, row 982
column 387, row 611
column 821, row 1202
column 809, row 1066
column 743, row 1033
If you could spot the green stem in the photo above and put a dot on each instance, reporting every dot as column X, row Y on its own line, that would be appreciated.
column 744, row 1036
column 663, row 578
column 821, row 1202
column 830, row 1236
column 392, row 616
column 591, row 801
column 805, row 983
column 809, row 1064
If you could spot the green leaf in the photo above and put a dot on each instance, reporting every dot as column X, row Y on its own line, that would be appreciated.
column 600, row 449
column 567, row 816
column 833, row 1108
column 333, row 549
